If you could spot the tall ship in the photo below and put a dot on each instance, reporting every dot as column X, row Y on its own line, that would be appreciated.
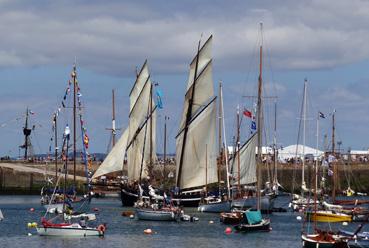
column 195, row 142
column 136, row 148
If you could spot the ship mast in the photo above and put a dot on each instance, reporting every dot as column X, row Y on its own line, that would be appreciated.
column 56, row 144
column 26, row 133
column 259, row 120
column 188, row 116
column 74, row 75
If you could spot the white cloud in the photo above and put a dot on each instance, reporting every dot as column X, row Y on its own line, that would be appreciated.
column 112, row 37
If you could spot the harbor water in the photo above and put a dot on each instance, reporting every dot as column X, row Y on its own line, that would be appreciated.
column 126, row 232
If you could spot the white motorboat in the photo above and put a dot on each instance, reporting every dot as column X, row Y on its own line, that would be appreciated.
column 67, row 229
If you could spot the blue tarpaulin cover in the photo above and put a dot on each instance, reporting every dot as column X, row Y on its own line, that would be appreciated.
column 253, row 217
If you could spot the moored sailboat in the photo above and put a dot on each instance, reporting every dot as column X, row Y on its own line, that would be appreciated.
column 197, row 131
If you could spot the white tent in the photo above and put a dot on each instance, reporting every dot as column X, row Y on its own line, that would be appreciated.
column 290, row 152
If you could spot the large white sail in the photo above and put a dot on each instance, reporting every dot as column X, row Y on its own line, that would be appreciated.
column 139, row 126
column 200, row 124
column 201, row 134
column 247, row 162
column 114, row 160
column 204, row 89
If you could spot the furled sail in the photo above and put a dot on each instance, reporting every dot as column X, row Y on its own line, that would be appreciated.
column 247, row 162
column 198, row 125
column 114, row 161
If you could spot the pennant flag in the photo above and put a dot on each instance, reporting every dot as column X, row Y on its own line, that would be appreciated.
column 247, row 113
column 31, row 112
column 79, row 94
column 86, row 140
column 321, row 115
column 159, row 102
column 253, row 125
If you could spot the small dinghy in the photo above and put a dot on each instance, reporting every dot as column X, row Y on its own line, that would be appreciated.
column 253, row 221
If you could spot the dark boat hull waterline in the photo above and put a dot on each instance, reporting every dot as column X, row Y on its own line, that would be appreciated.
column 263, row 226
column 215, row 207
column 266, row 203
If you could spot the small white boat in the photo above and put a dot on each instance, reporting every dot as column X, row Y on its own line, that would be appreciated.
column 215, row 206
column 1, row 215
column 66, row 229
column 169, row 214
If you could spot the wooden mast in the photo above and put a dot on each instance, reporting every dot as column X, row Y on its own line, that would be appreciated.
column 334, row 155
column 165, row 145
column 275, row 152
column 303, row 183
column 206, row 170
column 220, row 157
column 56, row 144
column 188, row 117
column 259, row 119
column 113, row 130
column 74, row 75
column 238, row 153
column 225, row 147
column 151, row 152
column 26, row 134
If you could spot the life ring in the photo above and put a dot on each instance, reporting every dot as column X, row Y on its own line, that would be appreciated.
column 101, row 228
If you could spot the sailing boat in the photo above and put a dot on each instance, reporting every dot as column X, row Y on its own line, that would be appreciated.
column 137, row 141
column 321, row 238
column 55, row 204
column 195, row 141
column 300, row 201
column 247, row 168
column 221, row 203
column 253, row 220
column 65, row 226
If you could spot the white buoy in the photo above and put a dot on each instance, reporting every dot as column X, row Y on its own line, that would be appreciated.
column 131, row 216
column 299, row 218
column 344, row 223
column 211, row 222
column 29, row 234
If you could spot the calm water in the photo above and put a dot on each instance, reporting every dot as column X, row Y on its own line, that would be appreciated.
column 124, row 232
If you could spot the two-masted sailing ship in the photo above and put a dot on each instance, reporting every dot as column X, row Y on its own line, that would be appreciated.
column 195, row 142
column 137, row 145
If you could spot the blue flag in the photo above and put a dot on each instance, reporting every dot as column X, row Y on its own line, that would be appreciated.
column 159, row 95
column 253, row 125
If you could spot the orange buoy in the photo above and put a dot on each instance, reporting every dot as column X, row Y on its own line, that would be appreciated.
column 228, row 230
column 148, row 231
column 101, row 228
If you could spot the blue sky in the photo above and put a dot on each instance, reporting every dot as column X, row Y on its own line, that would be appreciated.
column 323, row 41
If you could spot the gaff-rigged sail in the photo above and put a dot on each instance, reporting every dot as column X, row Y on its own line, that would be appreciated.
column 141, row 117
column 133, row 142
column 198, row 125
column 247, row 162
column 114, row 161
